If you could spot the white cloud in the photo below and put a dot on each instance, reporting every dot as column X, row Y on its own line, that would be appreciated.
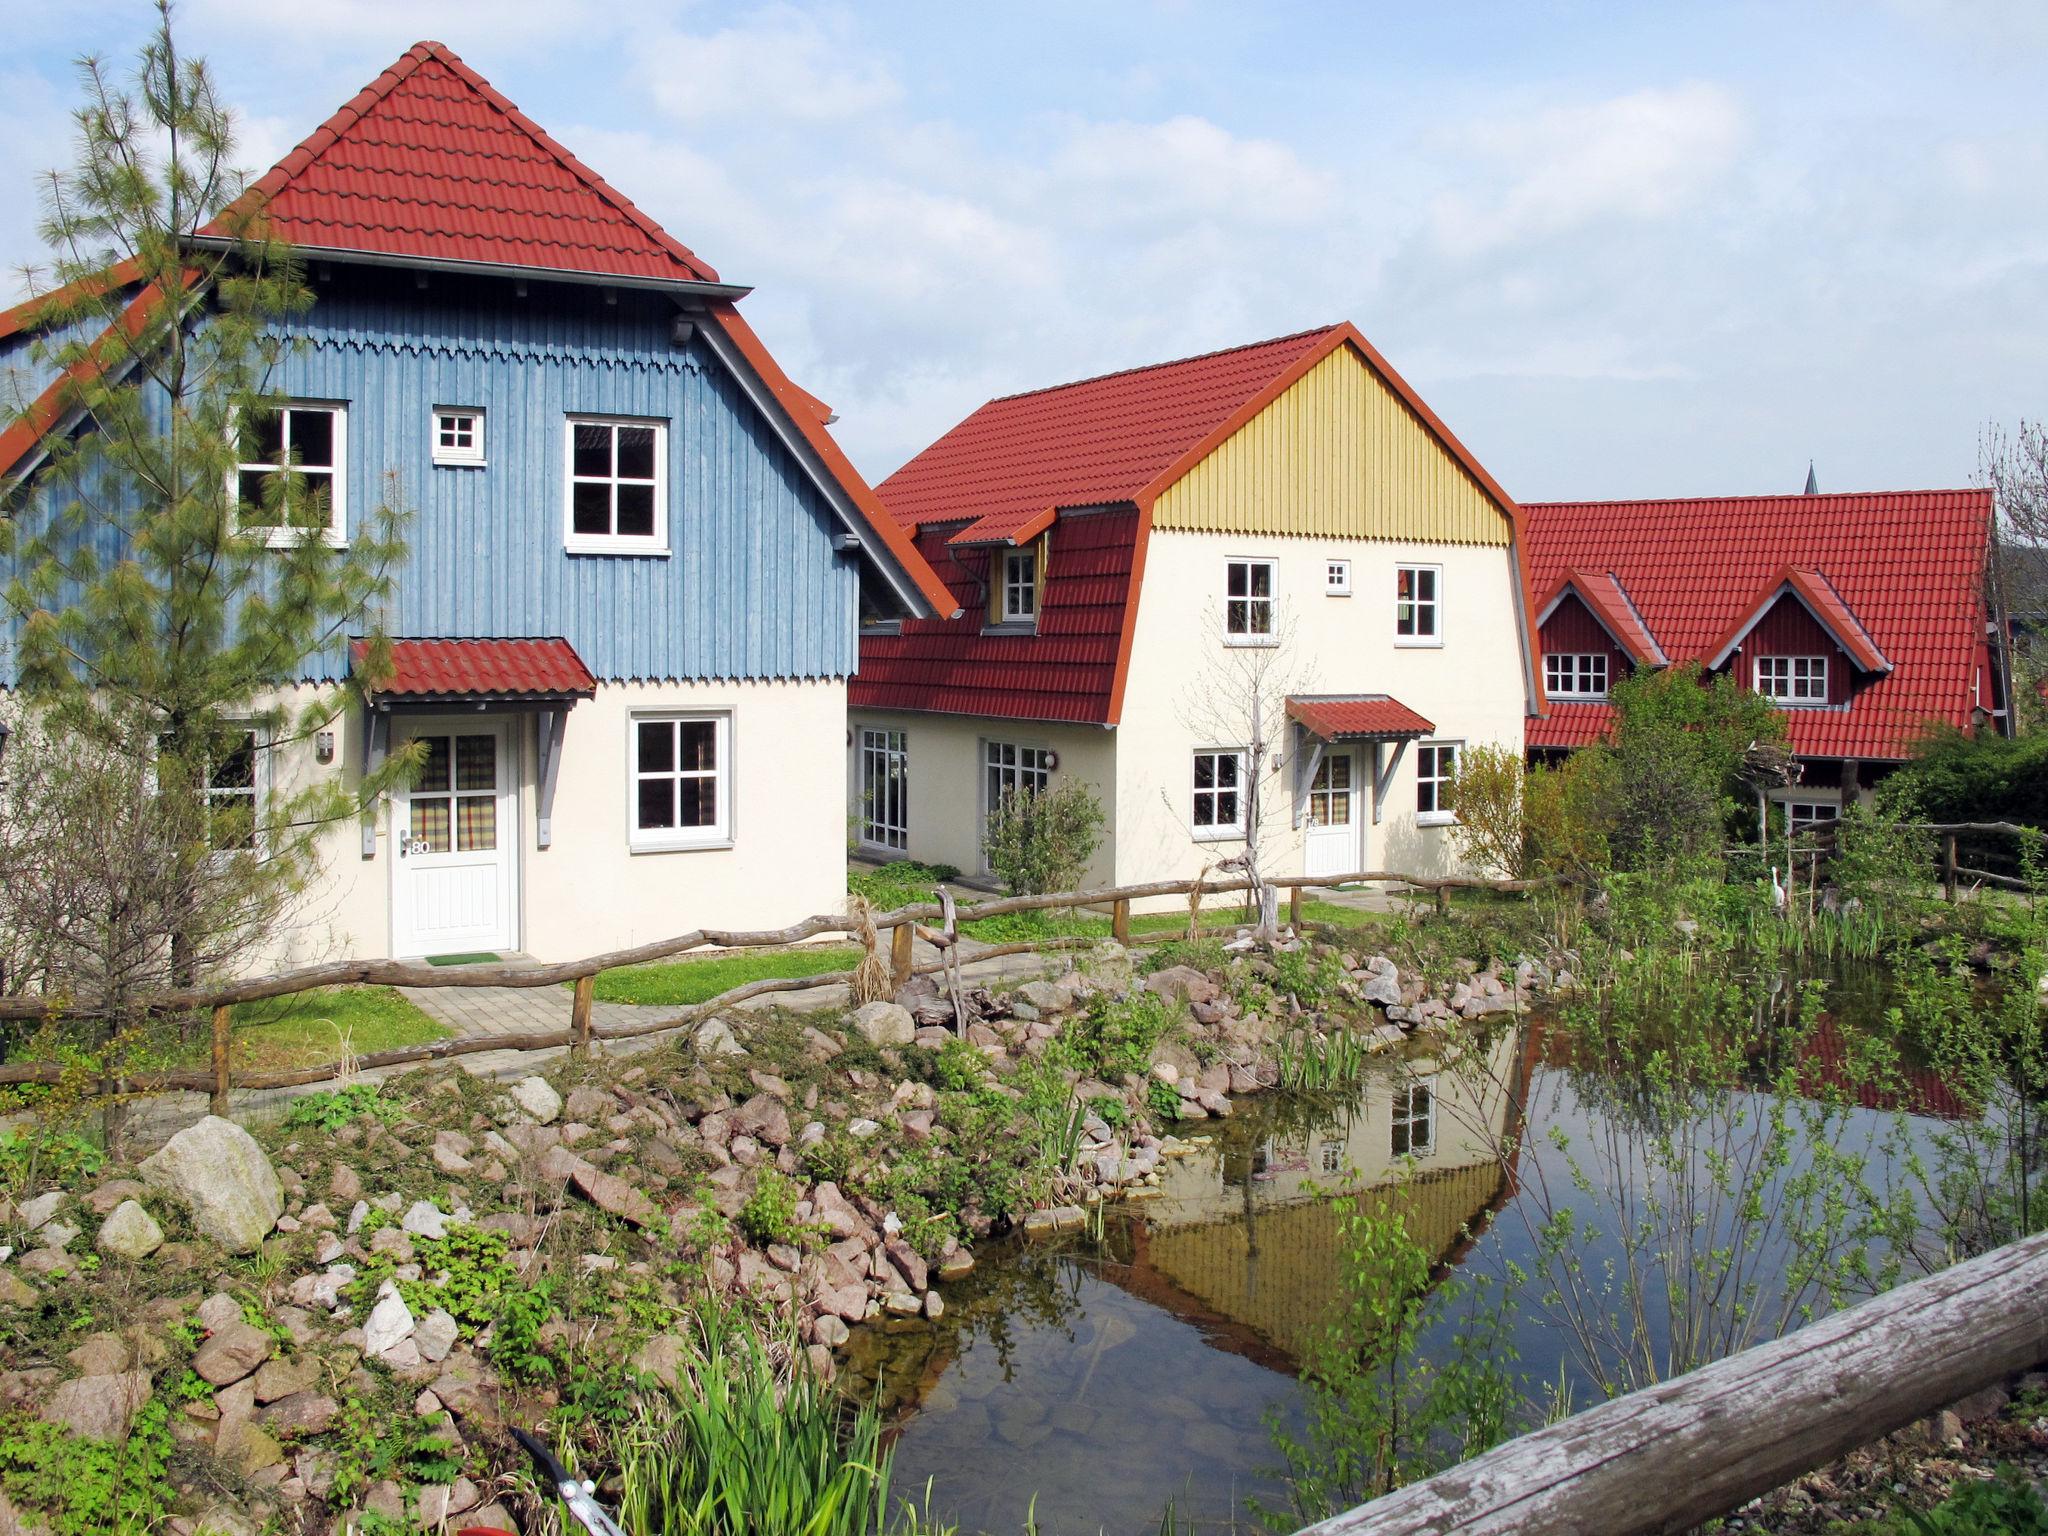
column 1152, row 176
column 784, row 65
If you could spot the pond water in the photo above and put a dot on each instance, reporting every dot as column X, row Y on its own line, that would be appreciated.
column 1094, row 1381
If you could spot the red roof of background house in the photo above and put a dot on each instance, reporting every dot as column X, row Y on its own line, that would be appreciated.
column 483, row 669
column 1028, row 462
column 1822, row 601
column 1609, row 603
column 1906, row 565
column 1358, row 716
column 428, row 161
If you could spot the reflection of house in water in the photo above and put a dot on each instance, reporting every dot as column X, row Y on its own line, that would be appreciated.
column 1244, row 1239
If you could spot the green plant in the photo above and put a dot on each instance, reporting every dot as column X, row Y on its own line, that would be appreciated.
column 2007, row 1505
column 1041, row 840
column 1162, row 1101
column 371, row 1446
column 1314, row 979
column 1312, row 1061
column 1203, row 954
column 34, row 1154
column 1486, row 793
column 1117, row 1032
column 1114, row 1113
column 331, row 1109
column 81, row 1486
column 901, row 884
column 679, row 983
column 769, row 1215
column 516, row 1347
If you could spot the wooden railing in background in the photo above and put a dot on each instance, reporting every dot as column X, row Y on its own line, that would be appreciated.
column 220, row 1079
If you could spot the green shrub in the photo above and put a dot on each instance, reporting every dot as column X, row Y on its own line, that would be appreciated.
column 901, row 884
column 60, row 1155
column 332, row 1109
column 1204, row 954
column 1042, row 841
column 1163, row 1100
column 1117, row 1033
column 86, row 1487
column 1315, row 981
column 2007, row 1505
column 769, row 1216
column 1486, row 793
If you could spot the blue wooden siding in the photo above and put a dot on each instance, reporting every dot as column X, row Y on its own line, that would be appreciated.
column 752, row 586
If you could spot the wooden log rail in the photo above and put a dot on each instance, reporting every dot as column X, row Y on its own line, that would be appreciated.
column 1671, row 1456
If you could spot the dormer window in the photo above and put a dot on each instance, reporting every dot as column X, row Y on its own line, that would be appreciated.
column 1581, row 675
column 1020, row 586
column 1793, row 679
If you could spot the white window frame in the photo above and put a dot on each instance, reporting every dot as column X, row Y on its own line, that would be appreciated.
column 719, row 834
column 1004, row 766
column 1015, row 587
column 1336, row 578
column 655, row 543
column 878, row 748
column 450, row 421
column 1269, row 604
column 336, row 531
column 1216, row 831
column 1816, row 812
column 1438, row 779
column 258, row 792
column 1406, row 1119
column 1569, row 674
column 1794, row 679
column 1433, row 605
column 1330, row 1156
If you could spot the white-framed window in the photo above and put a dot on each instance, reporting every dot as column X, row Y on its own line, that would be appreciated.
column 616, row 474
column 884, row 782
column 234, row 793
column 1248, row 602
column 1436, row 764
column 1336, row 578
column 1020, row 586
column 1414, row 1130
column 458, row 435
column 1219, row 793
column 1007, row 766
column 1805, row 815
column 291, row 476
column 1575, row 675
column 681, row 781
column 1418, row 591
column 1793, row 679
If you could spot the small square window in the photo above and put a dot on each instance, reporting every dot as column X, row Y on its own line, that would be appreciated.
column 618, row 486
column 458, row 435
column 1337, row 578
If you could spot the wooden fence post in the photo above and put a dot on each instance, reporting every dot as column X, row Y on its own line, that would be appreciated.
column 579, row 1015
column 901, row 938
column 1948, row 866
column 1443, row 900
column 1294, row 907
column 1120, row 920
column 222, row 1078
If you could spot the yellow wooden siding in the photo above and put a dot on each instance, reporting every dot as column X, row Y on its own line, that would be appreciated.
column 1339, row 455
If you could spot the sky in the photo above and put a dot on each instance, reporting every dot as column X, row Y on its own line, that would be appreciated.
column 1621, row 249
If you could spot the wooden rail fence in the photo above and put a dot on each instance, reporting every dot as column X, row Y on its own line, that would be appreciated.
column 1671, row 1456
column 902, row 925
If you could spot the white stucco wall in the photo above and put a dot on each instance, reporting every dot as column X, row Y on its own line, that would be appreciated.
column 589, row 891
column 946, row 800
column 1183, row 676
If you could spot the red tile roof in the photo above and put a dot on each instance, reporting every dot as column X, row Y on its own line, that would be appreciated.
column 1822, row 600
column 1608, row 601
column 1023, row 462
column 1358, row 717
column 483, row 669
column 1905, row 566
column 428, row 161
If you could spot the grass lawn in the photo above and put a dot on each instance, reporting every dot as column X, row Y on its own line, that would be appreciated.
column 309, row 1029
column 900, row 884
column 677, row 982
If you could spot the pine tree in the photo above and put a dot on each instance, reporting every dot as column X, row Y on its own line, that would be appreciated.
column 164, row 604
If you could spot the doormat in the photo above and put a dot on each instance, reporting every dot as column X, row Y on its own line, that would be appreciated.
column 476, row 959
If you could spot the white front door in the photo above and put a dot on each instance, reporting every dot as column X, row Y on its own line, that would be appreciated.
column 1333, row 845
column 455, row 836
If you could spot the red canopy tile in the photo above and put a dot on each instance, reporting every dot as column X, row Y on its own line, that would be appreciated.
column 1358, row 717
column 483, row 669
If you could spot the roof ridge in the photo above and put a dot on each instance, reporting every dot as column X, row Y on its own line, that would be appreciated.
column 1801, row 497
column 1172, row 362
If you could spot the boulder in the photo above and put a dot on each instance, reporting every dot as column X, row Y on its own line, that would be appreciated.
column 764, row 1118
column 1383, row 987
column 611, row 1194
column 232, row 1353
column 662, row 1358
column 389, row 1324
column 435, row 1335
column 112, row 1193
column 885, row 1023
column 131, row 1233
column 99, row 1407
column 1182, row 984
column 39, row 1212
column 300, row 1414
column 284, row 1376
column 536, row 1099
column 216, row 1170
column 714, row 1037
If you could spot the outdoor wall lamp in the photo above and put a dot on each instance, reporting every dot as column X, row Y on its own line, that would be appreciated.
column 1052, row 762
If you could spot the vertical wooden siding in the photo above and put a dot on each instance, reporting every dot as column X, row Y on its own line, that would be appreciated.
column 1789, row 630
column 1338, row 455
column 1573, row 630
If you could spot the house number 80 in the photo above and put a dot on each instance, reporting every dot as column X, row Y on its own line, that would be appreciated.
column 418, row 845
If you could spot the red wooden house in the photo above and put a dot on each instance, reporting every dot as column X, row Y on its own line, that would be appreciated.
column 1863, row 616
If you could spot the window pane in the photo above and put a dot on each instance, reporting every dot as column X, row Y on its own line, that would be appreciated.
column 477, row 823
column 636, row 510
column 476, row 762
column 1205, row 770
column 657, row 746
column 699, row 802
column 593, row 455
column 430, row 824
column 593, row 507
column 700, row 744
column 238, row 769
column 657, row 803
column 1226, row 808
column 636, row 453
column 433, row 772
column 1238, row 581
column 262, row 435
column 1262, row 580
column 1425, row 585
column 251, row 488
column 316, row 502
column 1226, row 769
column 313, row 438
column 1238, row 619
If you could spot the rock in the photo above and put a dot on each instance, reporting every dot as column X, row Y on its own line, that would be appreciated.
column 934, row 1306
column 536, row 1099
column 281, row 1377
column 832, row 1211
column 902, row 1304
column 908, row 1261
column 104, row 1354
column 862, row 1128
column 99, row 1407
column 435, row 1335
column 113, row 1193
column 451, row 1153
column 300, row 1413
column 423, row 1218
column 956, row 1265
column 232, row 1353
column 344, row 1185
column 131, row 1233
column 589, row 1104
column 885, row 1023
column 1048, row 996
column 322, row 1290
column 613, row 1195
column 438, row 1502
column 714, row 1037
column 1383, row 988
column 389, row 1324
column 219, row 1174
column 819, row 1046
column 39, row 1212
column 14, row 1291
column 765, row 1118
column 1182, row 984
column 662, row 1358
column 830, row 1330
column 250, row 1447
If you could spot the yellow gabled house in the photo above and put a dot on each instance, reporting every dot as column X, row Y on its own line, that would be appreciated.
column 1265, row 586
